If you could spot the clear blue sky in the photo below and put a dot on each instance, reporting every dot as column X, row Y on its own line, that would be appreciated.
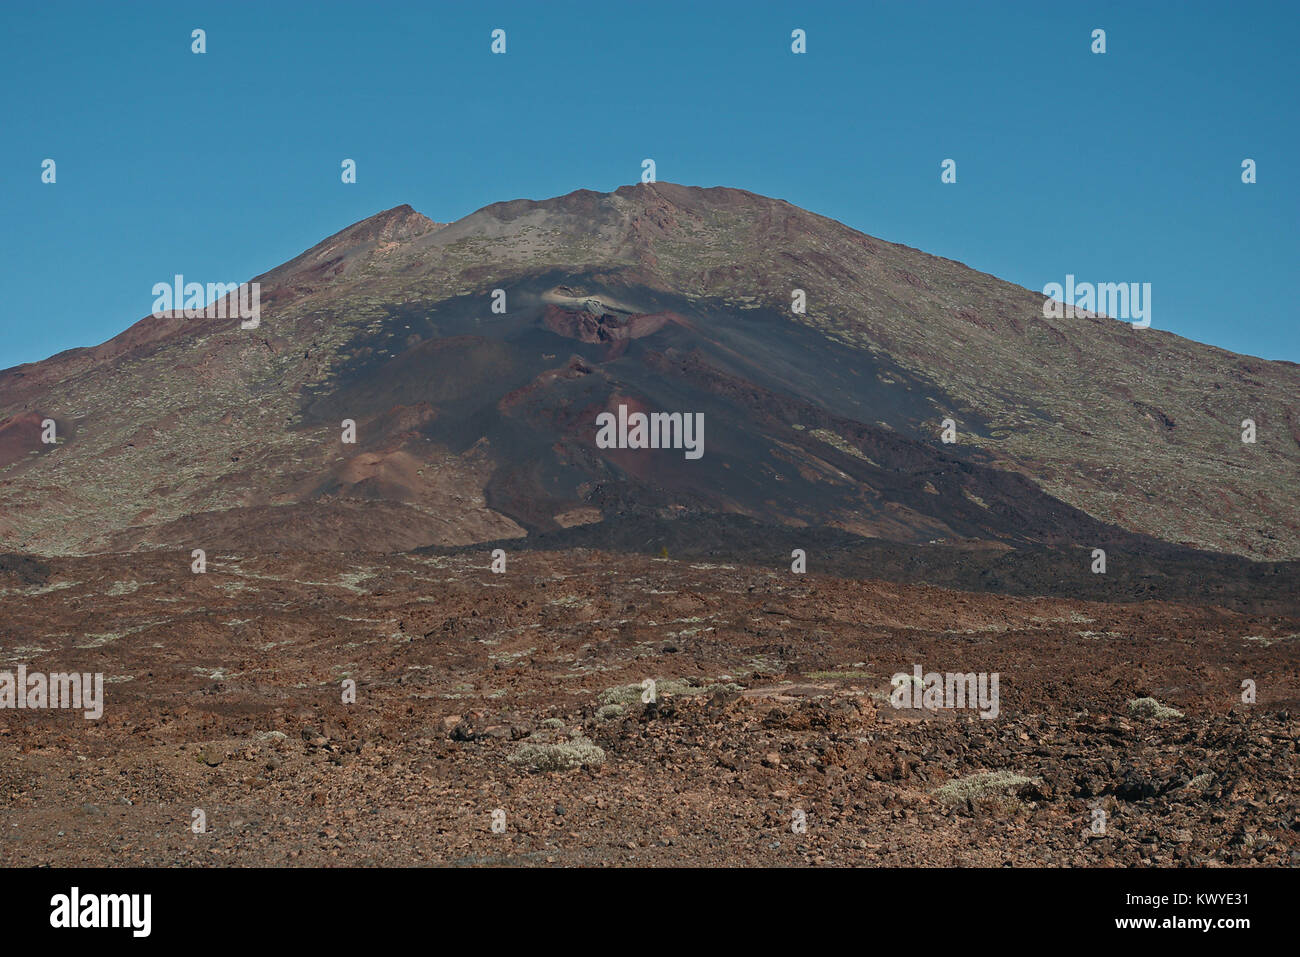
column 1118, row 167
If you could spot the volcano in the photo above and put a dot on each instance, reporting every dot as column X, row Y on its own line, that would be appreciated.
column 473, row 360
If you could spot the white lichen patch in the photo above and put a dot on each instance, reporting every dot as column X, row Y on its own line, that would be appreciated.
column 216, row 674
column 98, row 640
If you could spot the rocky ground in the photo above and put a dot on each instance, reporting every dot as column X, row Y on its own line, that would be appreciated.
column 475, row 691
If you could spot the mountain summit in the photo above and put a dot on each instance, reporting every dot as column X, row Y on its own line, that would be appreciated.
column 474, row 359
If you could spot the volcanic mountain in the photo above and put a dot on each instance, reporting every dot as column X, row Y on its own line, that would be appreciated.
column 477, row 425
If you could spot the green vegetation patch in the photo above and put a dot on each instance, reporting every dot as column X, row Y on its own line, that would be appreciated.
column 630, row 695
column 983, row 784
column 563, row 756
column 1151, row 708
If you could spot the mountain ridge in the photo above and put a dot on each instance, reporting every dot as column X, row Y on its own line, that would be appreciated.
column 1137, row 429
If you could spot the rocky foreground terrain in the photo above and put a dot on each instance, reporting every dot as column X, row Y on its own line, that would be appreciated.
column 521, row 692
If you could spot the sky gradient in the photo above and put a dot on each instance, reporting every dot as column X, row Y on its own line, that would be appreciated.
column 1122, row 167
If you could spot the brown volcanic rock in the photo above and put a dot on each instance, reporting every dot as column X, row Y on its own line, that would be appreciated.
column 328, row 525
column 586, row 327
column 222, row 691
column 350, row 249
column 20, row 436
column 676, row 298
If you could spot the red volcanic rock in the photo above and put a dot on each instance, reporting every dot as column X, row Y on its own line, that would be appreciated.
column 589, row 327
column 20, row 436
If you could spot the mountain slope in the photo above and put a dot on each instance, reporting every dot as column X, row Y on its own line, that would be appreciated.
column 474, row 425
